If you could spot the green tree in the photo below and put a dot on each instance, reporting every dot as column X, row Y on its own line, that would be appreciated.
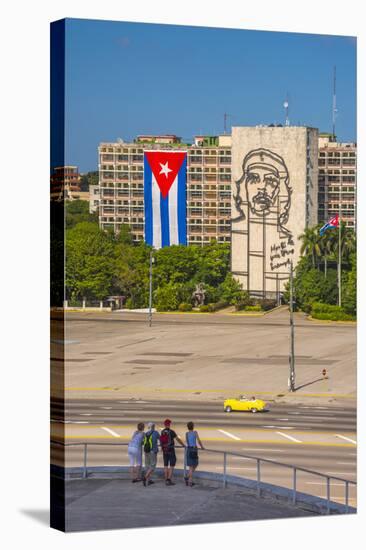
column 77, row 211
column 175, row 264
column 90, row 262
column 213, row 264
column 90, row 178
column 349, row 288
column 311, row 244
column 131, row 277
column 231, row 291
column 166, row 298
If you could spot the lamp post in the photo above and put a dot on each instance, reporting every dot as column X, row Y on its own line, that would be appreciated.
column 150, row 287
column 291, row 380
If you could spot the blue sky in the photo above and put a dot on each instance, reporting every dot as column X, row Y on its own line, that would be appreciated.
column 125, row 79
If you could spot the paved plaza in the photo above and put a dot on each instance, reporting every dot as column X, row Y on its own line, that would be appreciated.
column 205, row 356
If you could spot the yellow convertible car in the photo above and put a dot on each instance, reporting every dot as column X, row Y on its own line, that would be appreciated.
column 243, row 403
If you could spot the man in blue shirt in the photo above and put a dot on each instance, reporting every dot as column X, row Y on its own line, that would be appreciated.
column 150, row 446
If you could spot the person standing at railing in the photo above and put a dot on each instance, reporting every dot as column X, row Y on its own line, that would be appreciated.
column 135, row 452
column 167, row 438
column 192, row 438
column 151, row 452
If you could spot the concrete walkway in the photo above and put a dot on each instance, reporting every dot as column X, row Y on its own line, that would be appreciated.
column 95, row 503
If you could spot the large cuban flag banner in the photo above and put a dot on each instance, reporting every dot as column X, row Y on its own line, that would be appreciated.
column 165, row 198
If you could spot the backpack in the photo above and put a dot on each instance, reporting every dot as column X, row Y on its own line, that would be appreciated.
column 148, row 445
column 166, row 440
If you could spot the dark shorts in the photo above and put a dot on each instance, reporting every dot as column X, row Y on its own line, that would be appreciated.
column 169, row 458
column 192, row 457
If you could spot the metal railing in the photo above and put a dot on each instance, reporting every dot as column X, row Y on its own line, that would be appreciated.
column 259, row 461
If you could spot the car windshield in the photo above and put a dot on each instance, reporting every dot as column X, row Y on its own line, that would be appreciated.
column 243, row 398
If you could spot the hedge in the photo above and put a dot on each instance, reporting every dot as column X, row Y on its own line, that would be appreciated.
column 329, row 312
column 184, row 306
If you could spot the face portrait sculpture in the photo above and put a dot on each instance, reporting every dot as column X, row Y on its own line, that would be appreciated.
column 264, row 185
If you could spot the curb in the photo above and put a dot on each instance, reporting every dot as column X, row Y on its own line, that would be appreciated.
column 314, row 504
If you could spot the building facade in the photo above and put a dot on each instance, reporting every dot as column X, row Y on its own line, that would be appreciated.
column 121, row 185
column 65, row 183
column 93, row 198
column 274, row 198
column 337, row 180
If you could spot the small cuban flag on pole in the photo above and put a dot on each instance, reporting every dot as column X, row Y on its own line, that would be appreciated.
column 165, row 198
column 333, row 223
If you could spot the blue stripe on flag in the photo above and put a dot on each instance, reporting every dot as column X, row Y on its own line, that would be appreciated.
column 164, row 216
column 148, row 203
column 182, row 204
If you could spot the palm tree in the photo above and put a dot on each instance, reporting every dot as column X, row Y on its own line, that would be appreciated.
column 311, row 243
column 348, row 243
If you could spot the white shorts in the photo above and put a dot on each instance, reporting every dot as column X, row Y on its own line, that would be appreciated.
column 135, row 456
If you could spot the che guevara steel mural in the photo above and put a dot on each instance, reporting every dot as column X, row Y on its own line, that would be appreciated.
column 262, row 204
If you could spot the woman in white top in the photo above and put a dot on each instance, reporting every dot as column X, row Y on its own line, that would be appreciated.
column 135, row 452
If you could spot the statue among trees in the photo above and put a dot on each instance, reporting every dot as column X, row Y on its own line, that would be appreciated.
column 198, row 296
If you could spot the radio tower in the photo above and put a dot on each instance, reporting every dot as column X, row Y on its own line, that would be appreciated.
column 286, row 104
column 334, row 108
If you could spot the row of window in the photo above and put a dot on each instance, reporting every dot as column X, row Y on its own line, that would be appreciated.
column 321, row 172
column 336, row 154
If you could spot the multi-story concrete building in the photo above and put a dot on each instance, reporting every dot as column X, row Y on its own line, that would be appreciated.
column 337, row 180
column 121, row 186
column 65, row 183
column 274, row 198
column 93, row 198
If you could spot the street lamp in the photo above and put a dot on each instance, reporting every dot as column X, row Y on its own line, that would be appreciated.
column 152, row 259
column 291, row 380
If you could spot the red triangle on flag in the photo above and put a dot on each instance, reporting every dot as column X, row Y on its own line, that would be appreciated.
column 165, row 166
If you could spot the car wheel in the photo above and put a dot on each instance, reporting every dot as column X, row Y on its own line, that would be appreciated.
column 228, row 409
column 254, row 410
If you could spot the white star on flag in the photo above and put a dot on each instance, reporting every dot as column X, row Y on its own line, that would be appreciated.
column 165, row 169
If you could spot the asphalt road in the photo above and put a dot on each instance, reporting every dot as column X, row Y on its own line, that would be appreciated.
column 318, row 438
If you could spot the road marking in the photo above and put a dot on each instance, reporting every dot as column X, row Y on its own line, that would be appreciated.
column 105, row 407
column 282, row 419
column 110, row 431
column 347, row 463
column 317, row 416
column 346, row 438
column 73, row 421
column 289, row 437
column 230, row 435
column 85, row 414
column 282, row 427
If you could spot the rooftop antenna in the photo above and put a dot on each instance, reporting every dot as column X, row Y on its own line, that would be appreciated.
column 225, row 120
column 286, row 104
column 334, row 107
